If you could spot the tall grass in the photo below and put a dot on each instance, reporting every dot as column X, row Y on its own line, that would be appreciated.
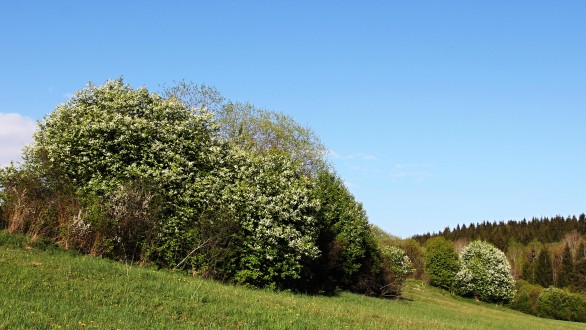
column 43, row 287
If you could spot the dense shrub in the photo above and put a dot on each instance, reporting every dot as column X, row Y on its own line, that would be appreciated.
column 562, row 305
column 441, row 262
column 416, row 255
column 343, row 235
column 526, row 297
column 484, row 273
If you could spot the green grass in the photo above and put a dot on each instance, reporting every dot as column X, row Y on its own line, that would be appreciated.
column 43, row 287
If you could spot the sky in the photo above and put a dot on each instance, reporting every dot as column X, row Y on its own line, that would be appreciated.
column 435, row 113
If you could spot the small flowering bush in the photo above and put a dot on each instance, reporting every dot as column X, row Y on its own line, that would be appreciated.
column 398, row 268
column 485, row 274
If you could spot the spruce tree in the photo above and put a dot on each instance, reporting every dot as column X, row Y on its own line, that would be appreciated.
column 544, row 269
column 581, row 252
column 581, row 275
column 530, row 264
column 566, row 275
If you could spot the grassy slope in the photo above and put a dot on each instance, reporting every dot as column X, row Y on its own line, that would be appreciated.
column 42, row 287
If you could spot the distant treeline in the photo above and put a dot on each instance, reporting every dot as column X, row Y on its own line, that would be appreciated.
column 546, row 230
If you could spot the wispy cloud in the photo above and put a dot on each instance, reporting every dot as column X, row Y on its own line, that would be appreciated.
column 398, row 166
column 362, row 156
column 16, row 131
column 355, row 156
column 415, row 172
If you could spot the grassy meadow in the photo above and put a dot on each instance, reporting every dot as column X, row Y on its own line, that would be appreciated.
column 44, row 287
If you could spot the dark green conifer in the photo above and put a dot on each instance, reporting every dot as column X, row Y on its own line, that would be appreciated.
column 544, row 269
column 581, row 276
column 566, row 275
column 530, row 264
column 581, row 252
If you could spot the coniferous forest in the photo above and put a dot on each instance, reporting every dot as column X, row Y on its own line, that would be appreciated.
column 545, row 230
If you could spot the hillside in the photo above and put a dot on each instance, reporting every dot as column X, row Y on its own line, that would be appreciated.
column 45, row 287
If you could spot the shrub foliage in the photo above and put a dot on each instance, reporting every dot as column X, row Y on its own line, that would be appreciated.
column 562, row 305
column 441, row 262
column 526, row 297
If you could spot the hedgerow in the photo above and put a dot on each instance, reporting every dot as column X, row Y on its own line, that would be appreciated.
column 131, row 175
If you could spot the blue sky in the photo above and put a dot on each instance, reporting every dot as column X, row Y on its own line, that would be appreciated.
column 436, row 112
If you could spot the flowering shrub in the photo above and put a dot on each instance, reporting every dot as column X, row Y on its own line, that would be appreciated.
column 485, row 274
column 274, row 214
column 107, row 139
column 398, row 268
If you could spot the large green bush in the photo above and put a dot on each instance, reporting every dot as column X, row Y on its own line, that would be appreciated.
column 485, row 274
column 441, row 262
column 562, row 305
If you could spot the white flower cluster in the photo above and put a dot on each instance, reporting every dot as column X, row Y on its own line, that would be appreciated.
column 274, row 210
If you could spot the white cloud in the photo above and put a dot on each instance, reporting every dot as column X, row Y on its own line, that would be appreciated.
column 16, row 131
column 362, row 156
column 355, row 156
column 413, row 166
column 417, row 172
